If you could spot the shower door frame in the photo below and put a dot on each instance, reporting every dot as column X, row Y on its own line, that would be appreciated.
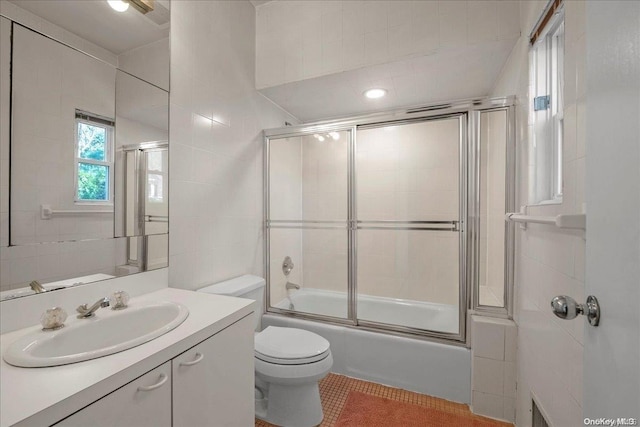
column 467, row 112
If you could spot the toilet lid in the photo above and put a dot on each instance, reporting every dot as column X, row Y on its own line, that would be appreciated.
column 290, row 346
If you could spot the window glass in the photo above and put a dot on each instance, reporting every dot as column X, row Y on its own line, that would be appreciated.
column 92, row 142
column 155, row 187
column 93, row 182
column 94, row 160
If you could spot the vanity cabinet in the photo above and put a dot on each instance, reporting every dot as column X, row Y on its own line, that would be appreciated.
column 145, row 401
column 212, row 384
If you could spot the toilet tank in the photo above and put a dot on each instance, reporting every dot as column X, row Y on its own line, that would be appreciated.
column 247, row 286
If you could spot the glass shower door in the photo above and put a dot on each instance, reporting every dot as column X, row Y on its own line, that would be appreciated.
column 408, row 225
column 307, row 223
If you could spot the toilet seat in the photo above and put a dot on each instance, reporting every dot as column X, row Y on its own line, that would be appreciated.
column 290, row 346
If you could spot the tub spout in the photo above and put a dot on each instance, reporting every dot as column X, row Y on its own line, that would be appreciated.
column 290, row 286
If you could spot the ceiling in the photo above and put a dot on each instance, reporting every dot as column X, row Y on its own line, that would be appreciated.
column 446, row 75
column 95, row 21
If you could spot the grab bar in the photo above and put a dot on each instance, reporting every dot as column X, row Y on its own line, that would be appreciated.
column 46, row 212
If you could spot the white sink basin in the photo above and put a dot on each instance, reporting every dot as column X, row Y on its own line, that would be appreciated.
column 107, row 333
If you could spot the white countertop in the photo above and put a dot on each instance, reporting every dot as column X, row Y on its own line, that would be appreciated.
column 41, row 396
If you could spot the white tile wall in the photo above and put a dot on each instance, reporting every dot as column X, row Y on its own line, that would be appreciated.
column 334, row 36
column 493, row 367
column 550, row 262
column 216, row 122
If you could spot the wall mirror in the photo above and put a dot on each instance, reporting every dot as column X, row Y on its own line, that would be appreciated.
column 84, row 110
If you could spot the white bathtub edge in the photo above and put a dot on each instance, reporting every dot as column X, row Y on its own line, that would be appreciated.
column 422, row 366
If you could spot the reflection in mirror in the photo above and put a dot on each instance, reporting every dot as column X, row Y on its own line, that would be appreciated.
column 63, row 133
column 142, row 113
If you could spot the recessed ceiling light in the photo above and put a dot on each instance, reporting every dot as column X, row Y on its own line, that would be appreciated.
column 375, row 93
column 118, row 5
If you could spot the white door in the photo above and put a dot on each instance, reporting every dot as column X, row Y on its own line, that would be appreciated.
column 612, row 350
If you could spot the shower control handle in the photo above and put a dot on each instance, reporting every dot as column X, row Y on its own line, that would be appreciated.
column 567, row 308
column 287, row 266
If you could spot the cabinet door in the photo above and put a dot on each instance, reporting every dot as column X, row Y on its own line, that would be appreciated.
column 213, row 381
column 145, row 401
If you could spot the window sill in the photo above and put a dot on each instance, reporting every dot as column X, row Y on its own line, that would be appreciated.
column 93, row 203
column 546, row 203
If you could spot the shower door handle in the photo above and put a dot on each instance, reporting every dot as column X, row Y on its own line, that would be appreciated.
column 567, row 308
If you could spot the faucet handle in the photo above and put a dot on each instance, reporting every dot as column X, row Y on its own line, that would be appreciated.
column 119, row 300
column 53, row 319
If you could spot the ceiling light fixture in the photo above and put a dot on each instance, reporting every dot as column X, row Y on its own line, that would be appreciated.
column 118, row 5
column 375, row 93
column 142, row 6
column 334, row 135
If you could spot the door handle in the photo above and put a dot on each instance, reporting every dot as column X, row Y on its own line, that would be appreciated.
column 567, row 308
column 163, row 379
column 198, row 359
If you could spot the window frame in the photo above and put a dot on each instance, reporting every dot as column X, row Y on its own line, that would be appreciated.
column 547, row 187
column 85, row 118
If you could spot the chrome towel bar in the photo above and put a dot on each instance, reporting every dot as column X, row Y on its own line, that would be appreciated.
column 573, row 221
column 46, row 212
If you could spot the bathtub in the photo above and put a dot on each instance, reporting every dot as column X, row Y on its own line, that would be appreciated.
column 418, row 365
column 415, row 314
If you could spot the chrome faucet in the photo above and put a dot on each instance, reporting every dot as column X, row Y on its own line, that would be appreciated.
column 86, row 312
column 37, row 287
column 290, row 286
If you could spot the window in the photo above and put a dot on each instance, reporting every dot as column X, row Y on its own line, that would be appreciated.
column 93, row 159
column 156, row 171
column 547, row 87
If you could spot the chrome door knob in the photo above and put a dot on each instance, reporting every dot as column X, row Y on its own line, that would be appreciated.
column 567, row 308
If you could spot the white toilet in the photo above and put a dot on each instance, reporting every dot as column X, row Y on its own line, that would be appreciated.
column 289, row 362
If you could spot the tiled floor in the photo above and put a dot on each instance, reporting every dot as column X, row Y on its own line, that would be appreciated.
column 335, row 388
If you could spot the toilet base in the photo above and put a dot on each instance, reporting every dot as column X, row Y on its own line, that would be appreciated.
column 291, row 405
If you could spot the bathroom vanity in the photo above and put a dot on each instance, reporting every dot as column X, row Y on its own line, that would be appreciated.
column 200, row 373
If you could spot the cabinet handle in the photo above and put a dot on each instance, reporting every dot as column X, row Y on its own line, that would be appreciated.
column 198, row 359
column 163, row 379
